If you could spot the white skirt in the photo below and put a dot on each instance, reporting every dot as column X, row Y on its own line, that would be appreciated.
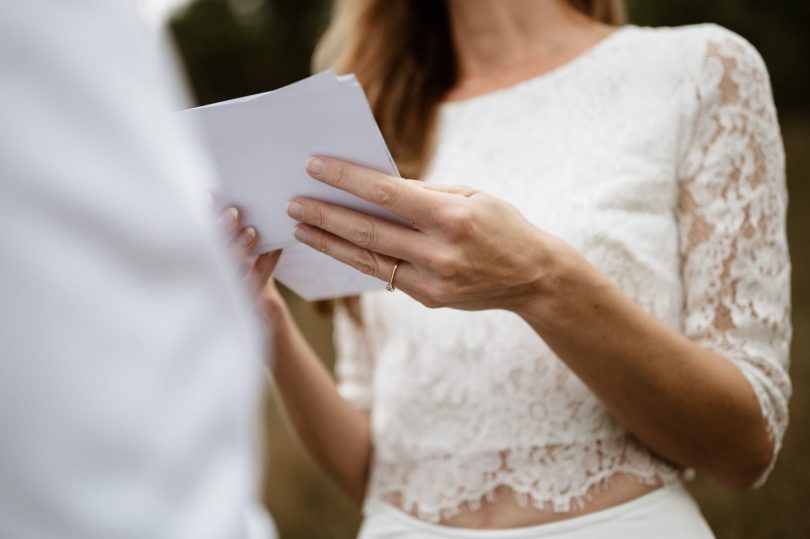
column 666, row 513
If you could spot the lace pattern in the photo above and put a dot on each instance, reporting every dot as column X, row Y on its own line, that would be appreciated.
column 683, row 209
column 732, row 208
column 559, row 477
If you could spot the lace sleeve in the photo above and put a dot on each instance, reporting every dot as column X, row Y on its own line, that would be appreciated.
column 354, row 362
column 732, row 208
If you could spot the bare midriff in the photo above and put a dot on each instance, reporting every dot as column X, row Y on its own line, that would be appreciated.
column 504, row 512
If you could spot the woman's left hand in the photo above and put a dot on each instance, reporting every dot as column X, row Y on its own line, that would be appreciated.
column 466, row 249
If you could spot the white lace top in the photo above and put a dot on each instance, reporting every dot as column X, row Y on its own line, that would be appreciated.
column 658, row 156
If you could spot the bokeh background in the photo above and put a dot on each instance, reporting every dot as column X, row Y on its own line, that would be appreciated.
column 232, row 48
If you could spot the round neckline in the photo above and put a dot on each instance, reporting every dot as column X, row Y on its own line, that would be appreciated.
column 545, row 76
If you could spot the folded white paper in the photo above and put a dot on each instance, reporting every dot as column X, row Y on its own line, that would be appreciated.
column 260, row 144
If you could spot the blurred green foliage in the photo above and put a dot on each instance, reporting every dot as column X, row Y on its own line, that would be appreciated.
column 238, row 47
column 233, row 48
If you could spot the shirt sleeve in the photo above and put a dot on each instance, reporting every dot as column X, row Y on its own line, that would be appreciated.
column 354, row 359
column 732, row 210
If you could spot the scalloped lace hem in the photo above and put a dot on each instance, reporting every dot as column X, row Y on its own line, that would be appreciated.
column 525, row 497
column 561, row 479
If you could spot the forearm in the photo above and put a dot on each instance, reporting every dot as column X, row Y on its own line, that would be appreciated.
column 688, row 404
column 336, row 433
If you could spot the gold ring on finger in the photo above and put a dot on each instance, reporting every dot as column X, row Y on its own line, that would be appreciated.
column 390, row 286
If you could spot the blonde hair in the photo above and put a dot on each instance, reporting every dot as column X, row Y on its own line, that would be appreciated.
column 402, row 53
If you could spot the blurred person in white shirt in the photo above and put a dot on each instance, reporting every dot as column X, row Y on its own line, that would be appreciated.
column 132, row 359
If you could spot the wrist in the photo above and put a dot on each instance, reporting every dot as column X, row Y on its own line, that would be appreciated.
column 278, row 322
column 564, row 278
column 279, row 319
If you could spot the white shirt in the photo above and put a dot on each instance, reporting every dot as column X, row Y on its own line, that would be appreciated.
column 130, row 366
column 658, row 156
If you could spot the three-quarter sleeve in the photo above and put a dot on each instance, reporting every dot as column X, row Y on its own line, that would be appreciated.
column 354, row 359
column 731, row 213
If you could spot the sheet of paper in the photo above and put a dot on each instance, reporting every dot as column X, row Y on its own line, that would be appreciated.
column 314, row 275
column 324, row 80
column 260, row 144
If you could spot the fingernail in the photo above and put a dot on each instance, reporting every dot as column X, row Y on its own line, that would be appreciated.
column 301, row 234
column 248, row 237
column 315, row 166
column 295, row 210
column 229, row 218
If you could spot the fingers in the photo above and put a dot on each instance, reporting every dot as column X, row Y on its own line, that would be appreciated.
column 264, row 266
column 229, row 220
column 461, row 190
column 394, row 194
column 247, row 239
column 363, row 230
column 243, row 239
column 368, row 262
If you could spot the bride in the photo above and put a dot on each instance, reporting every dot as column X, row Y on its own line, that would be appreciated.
column 602, row 308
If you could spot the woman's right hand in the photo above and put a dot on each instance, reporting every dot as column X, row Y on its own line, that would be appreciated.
column 337, row 433
column 258, row 269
